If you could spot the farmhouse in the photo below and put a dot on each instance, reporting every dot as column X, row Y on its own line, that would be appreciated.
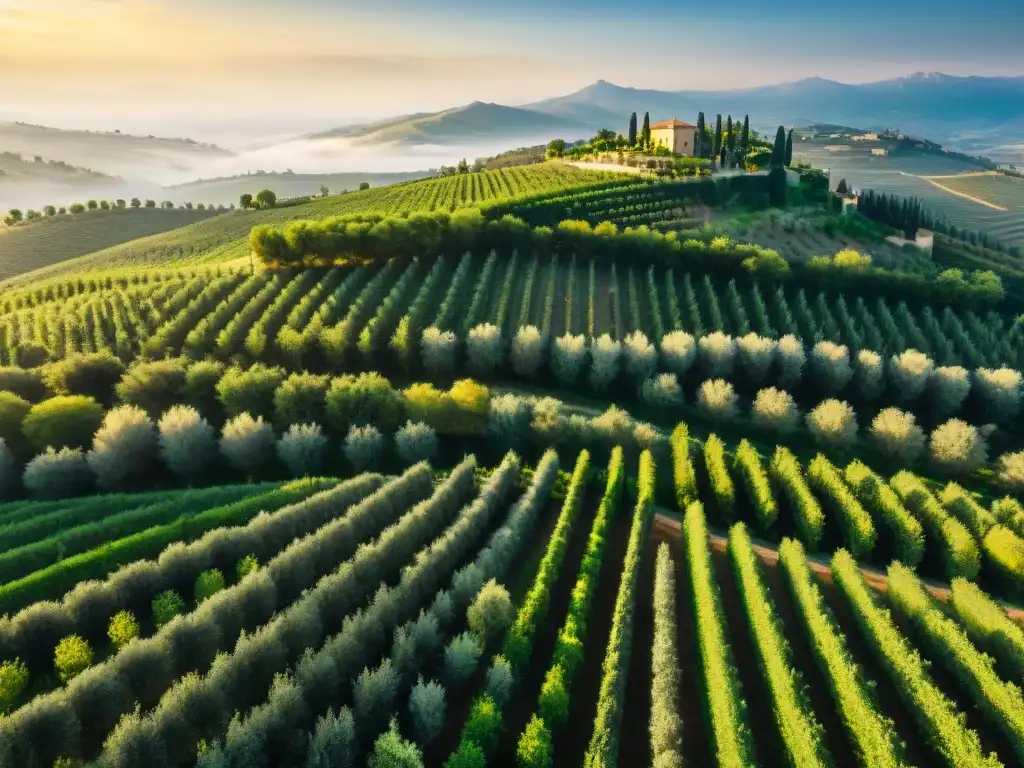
column 677, row 136
column 879, row 151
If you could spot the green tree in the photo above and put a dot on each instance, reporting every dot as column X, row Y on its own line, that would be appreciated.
column 246, row 565
column 63, row 421
column 789, row 148
column 14, row 216
column 166, row 606
column 842, row 188
column 632, row 130
column 698, row 150
column 151, row 203
column 123, row 629
column 266, row 198
column 779, row 149
column 245, row 201
column 730, row 135
column 208, row 583
column 49, row 210
column 13, row 681
column 13, row 410
column 136, row 203
column 534, row 748
column 104, row 205
column 745, row 137
column 491, row 613
column 463, row 166
column 363, row 186
column 392, row 751
column 645, row 133
column 324, row 191
column 556, row 148
column 72, row 657
column 76, row 208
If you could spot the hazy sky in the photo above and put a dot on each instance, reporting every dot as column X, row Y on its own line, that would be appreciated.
column 144, row 64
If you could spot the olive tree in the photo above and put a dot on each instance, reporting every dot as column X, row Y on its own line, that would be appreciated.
column 958, row 448
column 948, row 388
column 678, row 351
column 662, row 391
column 909, row 373
column 124, row 447
column 717, row 354
column 491, row 612
column 439, row 350
column 830, row 364
column 460, row 659
column 776, row 410
column 869, row 374
column 568, row 357
column 426, row 711
column 508, row 420
column 373, row 697
column 790, row 354
column 333, row 744
column 717, row 398
column 833, row 423
column 527, row 350
column 188, row 444
column 639, row 356
column 500, row 680
column 604, row 367
column 302, row 449
column 364, row 447
column 247, row 443
column 483, row 349
column 1000, row 392
column 896, row 434
column 58, row 474
column 416, row 442
column 756, row 355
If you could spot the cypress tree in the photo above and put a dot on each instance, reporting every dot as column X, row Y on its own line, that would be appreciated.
column 789, row 148
column 729, row 134
column 745, row 136
column 698, row 150
column 645, row 134
column 724, row 151
column 717, row 148
column 779, row 150
column 632, row 130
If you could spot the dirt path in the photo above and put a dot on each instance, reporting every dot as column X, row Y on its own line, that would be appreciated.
column 933, row 180
column 769, row 554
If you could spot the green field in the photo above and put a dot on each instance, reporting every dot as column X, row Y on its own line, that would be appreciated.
column 1005, row 191
column 578, row 481
column 52, row 240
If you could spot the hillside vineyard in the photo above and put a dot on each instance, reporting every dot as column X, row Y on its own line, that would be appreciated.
column 531, row 467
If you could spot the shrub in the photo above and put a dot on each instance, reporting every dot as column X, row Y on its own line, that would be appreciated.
column 534, row 749
column 166, row 606
column 154, row 386
column 896, row 434
column 333, row 744
column 508, row 422
column 373, row 696
column 833, row 423
column 200, row 388
column 484, row 724
column 500, row 680
column 90, row 375
column 756, row 354
column 123, row 629
column 484, row 349
column 1000, row 391
column 527, row 351
column 604, row 361
column 124, row 448
column 568, row 357
column 208, row 583
column 639, row 355
column 72, row 657
column 717, row 398
column 63, row 422
column 910, row 372
column 775, row 409
column 247, row 443
column 249, row 391
column 439, row 350
column 13, row 681
column 245, row 566
column 301, row 399
column 1010, row 470
column 364, row 399
column 187, row 442
column 663, row 391
column 416, row 442
column 717, row 353
column 302, row 449
column 958, row 448
column 364, row 447
column 491, row 613
column 949, row 387
column 57, row 474
column 719, row 478
column 426, row 710
column 23, row 383
column 13, row 411
column 869, row 375
column 791, row 357
column 830, row 364
column 392, row 751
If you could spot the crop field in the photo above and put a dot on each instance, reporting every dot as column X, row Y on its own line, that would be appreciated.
column 575, row 496
column 225, row 237
column 57, row 239
column 1004, row 191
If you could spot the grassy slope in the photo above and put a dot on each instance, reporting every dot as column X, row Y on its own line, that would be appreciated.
column 51, row 240
column 1004, row 191
column 225, row 238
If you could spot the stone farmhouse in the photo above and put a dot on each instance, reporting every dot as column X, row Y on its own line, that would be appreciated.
column 676, row 136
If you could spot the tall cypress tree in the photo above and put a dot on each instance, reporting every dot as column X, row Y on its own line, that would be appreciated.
column 723, row 158
column 745, row 136
column 789, row 148
column 632, row 130
column 698, row 150
column 779, row 150
column 729, row 134
column 717, row 148
column 645, row 134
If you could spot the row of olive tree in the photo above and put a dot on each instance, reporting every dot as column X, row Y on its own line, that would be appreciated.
column 16, row 216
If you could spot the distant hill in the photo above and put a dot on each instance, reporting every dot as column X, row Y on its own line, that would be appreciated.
column 112, row 153
column 228, row 189
column 14, row 169
column 462, row 125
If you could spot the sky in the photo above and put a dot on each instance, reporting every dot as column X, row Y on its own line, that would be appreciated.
column 147, row 64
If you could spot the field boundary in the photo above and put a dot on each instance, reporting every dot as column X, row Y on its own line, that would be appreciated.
column 932, row 180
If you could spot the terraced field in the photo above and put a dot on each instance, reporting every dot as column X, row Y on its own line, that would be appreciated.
column 1005, row 192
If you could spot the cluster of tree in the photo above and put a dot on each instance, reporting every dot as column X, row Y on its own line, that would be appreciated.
column 511, row 158
column 904, row 214
column 265, row 198
column 455, row 170
column 16, row 216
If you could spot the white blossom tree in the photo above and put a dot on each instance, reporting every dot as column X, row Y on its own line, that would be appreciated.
column 364, row 447
column 484, row 349
column 302, row 449
column 896, row 434
column 416, row 442
column 909, row 373
column 439, row 350
column 869, row 374
column 776, row 410
column 640, row 356
column 833, row 423
column 124, row 447
column 948, row 388
column 717, row 398
column 662, row 391
column 756, row 355
column 568, row 357
column 247, row 443
column 188, row 444
column 57, row 474
column 790, row 354
column 1010, row 470
column 527, row 351
column 958, row 448
column 678, row 352
column 1000, row 391
column 717, row 354
column 604, row 367
column 830, row 364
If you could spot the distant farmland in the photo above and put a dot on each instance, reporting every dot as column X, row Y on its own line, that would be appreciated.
column 1003, row 191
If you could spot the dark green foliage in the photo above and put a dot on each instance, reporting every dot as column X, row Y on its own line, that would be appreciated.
column 789, row 148
column 645, row 132
column 92, row 375
column 468, row 755
column 779, row 149
column 632, row 130
column 361, row 400
column 200, row 389
column 26, row 384
column 13, row 410
column 300, row 399
column 153, row 386
column 483, row 726
column 63, row 422
column 166, row 606
column 208, row 583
